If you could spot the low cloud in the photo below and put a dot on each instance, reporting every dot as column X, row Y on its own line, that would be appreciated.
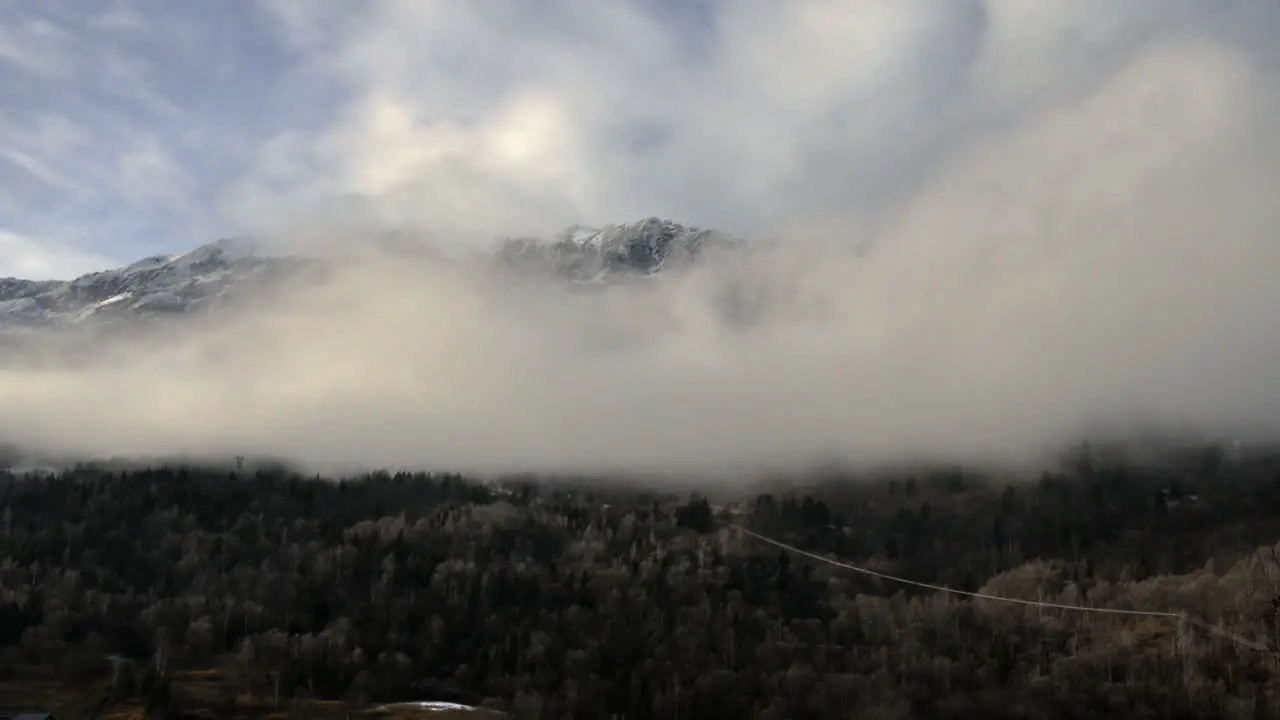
column 1106, row 264
column 1073, row 235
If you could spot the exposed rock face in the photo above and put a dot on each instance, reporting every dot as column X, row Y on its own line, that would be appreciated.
column 190, row 282
column 224, row 272
column 595, row 254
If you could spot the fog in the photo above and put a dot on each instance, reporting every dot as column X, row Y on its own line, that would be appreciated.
column 1104, row 264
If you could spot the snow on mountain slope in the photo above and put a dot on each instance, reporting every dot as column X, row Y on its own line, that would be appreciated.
column 217, row 273
column 192, row 281
column 586, row 254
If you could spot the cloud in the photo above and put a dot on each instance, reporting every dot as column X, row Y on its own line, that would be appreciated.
column 1001, row 226
column 147, row 172
column 117, row 129
column 745, row 117
column 34, row 45
column 25, row 258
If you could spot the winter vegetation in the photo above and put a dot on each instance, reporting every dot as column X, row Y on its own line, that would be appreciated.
column 205, row 592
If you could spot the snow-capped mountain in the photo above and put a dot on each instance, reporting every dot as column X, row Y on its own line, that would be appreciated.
column 191, row 282
column 225, row 271
column 587, row 254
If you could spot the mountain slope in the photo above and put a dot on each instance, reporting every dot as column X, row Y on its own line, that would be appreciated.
column 192, row 281
column 587, row 254
column 225, row 271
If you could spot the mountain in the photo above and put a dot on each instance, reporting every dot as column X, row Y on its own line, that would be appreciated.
column 224, row 272
column 586, row 254
column 194, row 281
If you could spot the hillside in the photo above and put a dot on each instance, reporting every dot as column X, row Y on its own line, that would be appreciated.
column 233, row 594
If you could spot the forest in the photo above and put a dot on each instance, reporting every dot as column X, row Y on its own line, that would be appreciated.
column 539, row 597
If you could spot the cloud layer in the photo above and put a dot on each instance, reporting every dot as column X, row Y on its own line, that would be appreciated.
column 1002, row 225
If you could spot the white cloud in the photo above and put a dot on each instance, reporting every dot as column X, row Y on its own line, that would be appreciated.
column 121, row 16
column 116, row 130
column 770, row 114
column 479, row 120
column 35, row 260
column 34, row 45
column 147, row 172
column 39, row 169
column 1104, row 260
column 1038, row 47
column 1069, row 209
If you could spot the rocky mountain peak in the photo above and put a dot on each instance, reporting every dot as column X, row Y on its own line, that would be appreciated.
column 216, row 273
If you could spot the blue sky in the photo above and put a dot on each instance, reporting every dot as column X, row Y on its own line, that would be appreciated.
column 137, row 127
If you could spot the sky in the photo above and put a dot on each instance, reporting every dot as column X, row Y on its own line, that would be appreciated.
column 138, row 127
column 1001, row 225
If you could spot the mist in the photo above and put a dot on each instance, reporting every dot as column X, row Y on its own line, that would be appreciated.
column 1101, row 264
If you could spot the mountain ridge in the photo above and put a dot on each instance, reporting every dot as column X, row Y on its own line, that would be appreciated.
column 215, row 274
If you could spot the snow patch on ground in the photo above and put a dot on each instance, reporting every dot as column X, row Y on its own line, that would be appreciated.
column 434, row 705
column 113, row 299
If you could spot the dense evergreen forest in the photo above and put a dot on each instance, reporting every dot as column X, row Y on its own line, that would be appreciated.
column 556, row 600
